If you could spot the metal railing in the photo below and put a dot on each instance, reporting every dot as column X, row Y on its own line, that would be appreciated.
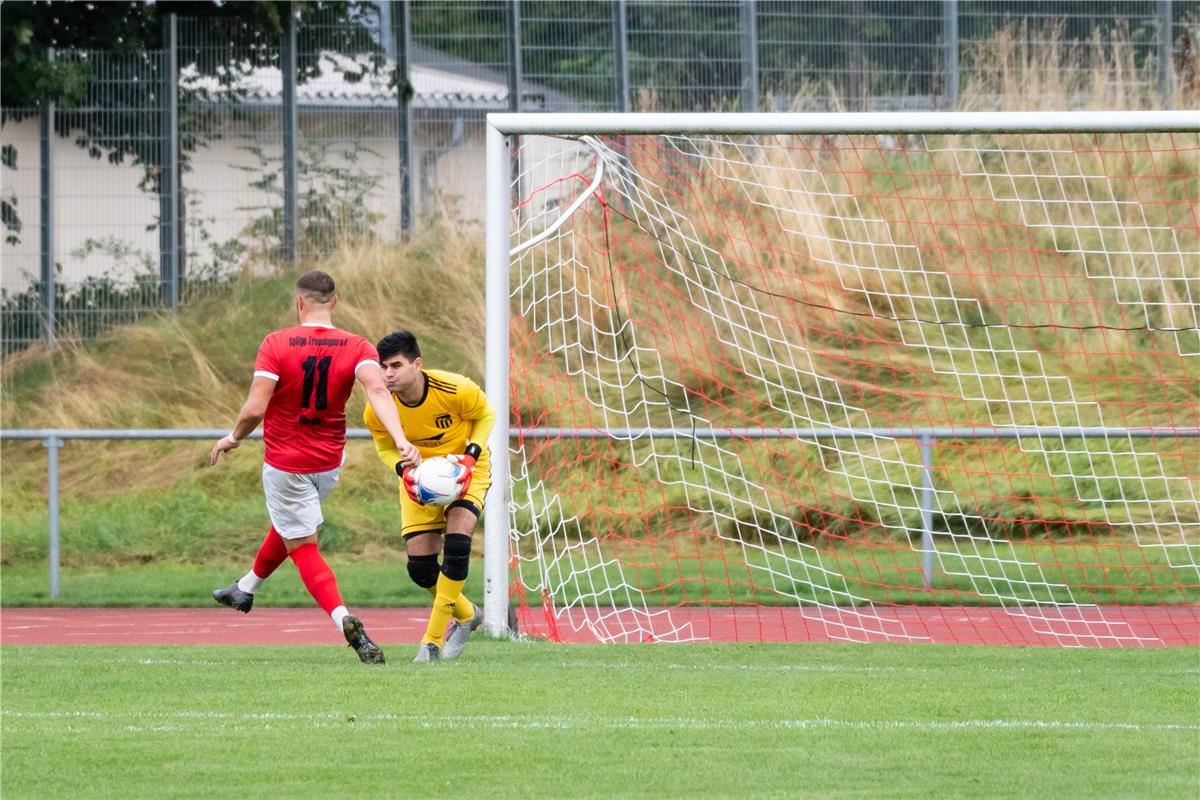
column 53, row 439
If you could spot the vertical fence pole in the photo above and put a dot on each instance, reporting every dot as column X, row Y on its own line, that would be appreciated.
column 1165, row 51
column 496, row 378
column 291, row 208
column 46, row 180
column 515, row 78
column 515, row 72
column 748, row 18
column 402, row 44
column 52, row 445
column 927, row 546
column 620, row 36
column 620, row 57
column 854, row 57
column 950, row 53
column 168, row 185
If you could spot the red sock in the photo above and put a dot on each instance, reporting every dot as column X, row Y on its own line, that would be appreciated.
column 317, row 576
column 271, row 553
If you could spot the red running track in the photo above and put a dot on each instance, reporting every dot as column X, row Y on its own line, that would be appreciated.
column 1083, row 626
column 1093, row 626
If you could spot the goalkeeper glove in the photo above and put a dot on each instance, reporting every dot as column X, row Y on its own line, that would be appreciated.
column 467, row 462
column 408, row 477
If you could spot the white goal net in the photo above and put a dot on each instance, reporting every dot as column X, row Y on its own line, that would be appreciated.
column 905, row 378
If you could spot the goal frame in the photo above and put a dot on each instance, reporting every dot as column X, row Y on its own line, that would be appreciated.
column 501, row 126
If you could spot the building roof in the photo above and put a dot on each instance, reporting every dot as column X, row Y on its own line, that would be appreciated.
column 439, row 81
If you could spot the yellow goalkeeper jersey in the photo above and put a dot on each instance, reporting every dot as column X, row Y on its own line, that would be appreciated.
column 452, row 412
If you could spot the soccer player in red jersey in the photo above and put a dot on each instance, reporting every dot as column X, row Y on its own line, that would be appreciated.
column 303, row 377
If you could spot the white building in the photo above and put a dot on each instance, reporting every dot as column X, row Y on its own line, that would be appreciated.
column 105, row 223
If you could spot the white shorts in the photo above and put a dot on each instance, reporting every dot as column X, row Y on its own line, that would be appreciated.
column 294, row 501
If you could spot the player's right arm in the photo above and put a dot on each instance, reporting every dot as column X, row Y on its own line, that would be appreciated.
column 251, row 414
column 383, row 420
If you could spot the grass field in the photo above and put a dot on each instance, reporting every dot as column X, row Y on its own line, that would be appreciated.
column 893, row 577
column 363, row 584
column 513, row 719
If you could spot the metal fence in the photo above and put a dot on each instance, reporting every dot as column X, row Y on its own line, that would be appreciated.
column 54, row 439
column 187, row 164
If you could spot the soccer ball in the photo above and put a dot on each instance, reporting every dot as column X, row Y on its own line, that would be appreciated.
column 437, row 481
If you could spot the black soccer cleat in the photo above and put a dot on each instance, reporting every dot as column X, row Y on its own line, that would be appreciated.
column 234, row 597
column 356, row 637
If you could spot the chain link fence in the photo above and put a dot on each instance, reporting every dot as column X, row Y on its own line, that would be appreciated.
column 186, row 166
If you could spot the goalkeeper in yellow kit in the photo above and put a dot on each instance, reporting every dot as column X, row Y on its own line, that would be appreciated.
column 443, row 414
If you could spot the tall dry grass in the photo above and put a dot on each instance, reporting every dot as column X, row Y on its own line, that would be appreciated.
column 816, row 251
column 1023, row 68
column 893, row 280
column 136, row 501
column 192, row 370
column 818, row 240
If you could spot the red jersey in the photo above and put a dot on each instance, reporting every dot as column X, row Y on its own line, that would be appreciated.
column 304, row 429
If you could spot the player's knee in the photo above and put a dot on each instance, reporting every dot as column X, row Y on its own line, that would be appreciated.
column 456, row 556
column 423, row 570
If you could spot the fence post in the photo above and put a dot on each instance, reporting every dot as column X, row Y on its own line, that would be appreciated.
column 52, row 445
column 620, row 57
column 515, row 76
column 287, row 65
column 402, row 45
column 46, row 181
column 168, row 179
column 1165, row 50
column 950, row 53
column 748, row 18
column 927, row 547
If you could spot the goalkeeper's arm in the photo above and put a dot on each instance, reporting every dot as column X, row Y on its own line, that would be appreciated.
column 484, row 417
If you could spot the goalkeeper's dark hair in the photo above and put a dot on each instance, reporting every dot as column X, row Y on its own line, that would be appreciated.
column 402, row 343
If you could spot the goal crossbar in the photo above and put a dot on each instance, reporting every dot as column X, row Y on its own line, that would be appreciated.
column 836, row 123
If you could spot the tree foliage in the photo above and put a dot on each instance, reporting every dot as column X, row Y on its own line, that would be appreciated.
column 122, row 44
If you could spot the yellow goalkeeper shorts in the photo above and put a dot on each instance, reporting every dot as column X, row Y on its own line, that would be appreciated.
column 415, row 518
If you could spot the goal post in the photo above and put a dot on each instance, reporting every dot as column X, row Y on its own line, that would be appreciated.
column 848, row 377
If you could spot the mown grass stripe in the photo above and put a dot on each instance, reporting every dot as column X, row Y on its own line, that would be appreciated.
column 613, row 722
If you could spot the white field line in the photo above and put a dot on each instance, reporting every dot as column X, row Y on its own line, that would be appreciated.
column 766, row 669
column 174, row 720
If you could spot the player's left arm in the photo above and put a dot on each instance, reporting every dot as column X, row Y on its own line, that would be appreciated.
column 253, row 410
column 388, row 452
column 475, row 408
column 385, row 445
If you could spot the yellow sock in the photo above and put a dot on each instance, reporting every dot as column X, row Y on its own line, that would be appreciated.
column 448, row 593
column 464, row 609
